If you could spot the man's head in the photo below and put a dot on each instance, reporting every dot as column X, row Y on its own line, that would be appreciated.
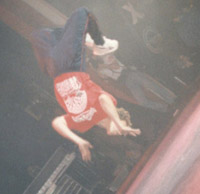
column 124, row 115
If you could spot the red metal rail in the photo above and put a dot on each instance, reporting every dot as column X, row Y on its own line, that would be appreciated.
column 175, row 165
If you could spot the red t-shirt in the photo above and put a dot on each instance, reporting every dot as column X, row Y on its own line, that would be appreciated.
column 78, row 96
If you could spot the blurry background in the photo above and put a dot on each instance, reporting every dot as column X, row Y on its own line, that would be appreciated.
column 160, row 38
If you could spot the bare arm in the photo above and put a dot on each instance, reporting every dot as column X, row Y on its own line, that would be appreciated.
column 60, row 125
column 110, row 109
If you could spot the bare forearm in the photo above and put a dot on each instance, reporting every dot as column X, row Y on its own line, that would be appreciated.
column 60, row 125
column 110, row 109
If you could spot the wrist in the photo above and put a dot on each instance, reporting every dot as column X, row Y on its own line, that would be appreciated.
column 80, row 142
column 119, row 125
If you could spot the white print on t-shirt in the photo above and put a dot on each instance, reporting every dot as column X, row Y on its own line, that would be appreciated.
column 74, row 98
column 76, row 103
column 85, row 116
column 68, row 86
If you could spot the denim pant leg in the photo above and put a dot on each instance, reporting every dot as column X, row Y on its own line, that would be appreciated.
column 69, row 52
column 62, row 50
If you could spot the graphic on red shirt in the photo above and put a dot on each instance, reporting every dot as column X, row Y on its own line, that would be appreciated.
column 74, row 98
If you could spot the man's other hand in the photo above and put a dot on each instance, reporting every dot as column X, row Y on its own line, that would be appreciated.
column 130, row 131
column 84, row 147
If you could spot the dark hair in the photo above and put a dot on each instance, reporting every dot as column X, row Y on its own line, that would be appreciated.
column 124, row 115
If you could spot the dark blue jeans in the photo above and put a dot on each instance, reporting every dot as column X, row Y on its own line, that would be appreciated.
column 62, row 50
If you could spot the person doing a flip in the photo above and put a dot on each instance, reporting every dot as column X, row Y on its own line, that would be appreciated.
column 61, row 54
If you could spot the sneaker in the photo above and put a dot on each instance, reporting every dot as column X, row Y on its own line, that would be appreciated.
column 89, row 42
column 109, row 46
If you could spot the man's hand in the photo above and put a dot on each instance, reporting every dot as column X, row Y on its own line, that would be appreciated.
column 130, row 131
column 84, row 147
column 60, row 125
column 123, row 130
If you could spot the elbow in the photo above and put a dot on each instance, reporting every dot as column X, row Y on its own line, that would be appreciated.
column 57, row 122
column 54, row 123
column 102, row 99
column 60, row 126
